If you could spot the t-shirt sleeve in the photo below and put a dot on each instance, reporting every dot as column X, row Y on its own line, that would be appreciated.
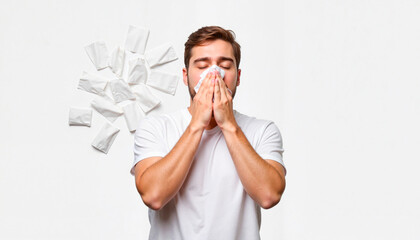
column 148, row 141
column 271, row 144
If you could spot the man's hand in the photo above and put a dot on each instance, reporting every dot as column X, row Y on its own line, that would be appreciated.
column 201, row 107
column 223, row 107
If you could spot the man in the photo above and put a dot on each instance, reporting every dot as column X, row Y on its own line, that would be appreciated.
column 206, row 171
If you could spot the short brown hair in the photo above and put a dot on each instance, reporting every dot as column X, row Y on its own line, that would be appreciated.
column 210, row 33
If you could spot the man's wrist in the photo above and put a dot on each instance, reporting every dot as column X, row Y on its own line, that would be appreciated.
column 231, row 128
column 193, row 128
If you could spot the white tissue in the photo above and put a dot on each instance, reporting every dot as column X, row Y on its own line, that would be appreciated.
column 106, row 97
column 80, row 117
column 116, row 61
column 92, row 83
column 107, row 109
column 121, row 91
column 137, row 72
column 160, row 55
column 98, row 54
column 145, row 98
column 132, row 115
column 204, row 73
column 103, row 141
column 164, row 82
column 136, row 39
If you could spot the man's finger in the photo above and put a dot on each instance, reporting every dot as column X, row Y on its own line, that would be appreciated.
column 222, row 86
column 205, row 84
column 217, row 91
column 210, row 88
column 227, row 90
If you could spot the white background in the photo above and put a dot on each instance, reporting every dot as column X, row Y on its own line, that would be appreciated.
column 339, row 78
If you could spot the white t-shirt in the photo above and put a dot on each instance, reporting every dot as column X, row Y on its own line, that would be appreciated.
column 212, row 203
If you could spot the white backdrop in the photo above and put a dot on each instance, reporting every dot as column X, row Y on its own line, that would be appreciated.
column 339, row 78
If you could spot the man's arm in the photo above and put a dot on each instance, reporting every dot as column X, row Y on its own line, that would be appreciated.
column 263, row 180
column 159, row 179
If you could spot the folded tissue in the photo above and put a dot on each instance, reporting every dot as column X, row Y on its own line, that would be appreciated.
column 145, row 97
column 160, row 55
column 136, row 40
column 121, row 91
column 137, row 71
column 108, row 109
column 116, row 61
column 92, row 83
column 132, row 115
column 80, row 117
column 162, row 81
column 98, row 54
column 106, row 136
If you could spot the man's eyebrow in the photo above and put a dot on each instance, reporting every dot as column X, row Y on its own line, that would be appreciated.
column 203, row 59
column 220, row 59
column 226, row 59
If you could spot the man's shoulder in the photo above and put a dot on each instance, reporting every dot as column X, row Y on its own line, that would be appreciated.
column 251, row 122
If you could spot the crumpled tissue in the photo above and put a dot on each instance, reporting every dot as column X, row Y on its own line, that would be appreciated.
column 136, row 40
column 121, row 91
column 98, row 54
column 162, row 81
column 137, row 71
column 80, row 117
column 160, row 55
column 106, row 108
column 106, row 136
column 145, row 98
column 203, row 75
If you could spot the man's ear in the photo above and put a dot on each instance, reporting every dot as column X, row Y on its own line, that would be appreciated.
column 238, row 80
column 185, row 76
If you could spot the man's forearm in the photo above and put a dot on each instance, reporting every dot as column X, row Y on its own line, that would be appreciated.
column 162, row 180
column 261, row 180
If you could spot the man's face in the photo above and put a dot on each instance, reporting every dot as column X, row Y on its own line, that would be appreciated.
column 217, row 52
